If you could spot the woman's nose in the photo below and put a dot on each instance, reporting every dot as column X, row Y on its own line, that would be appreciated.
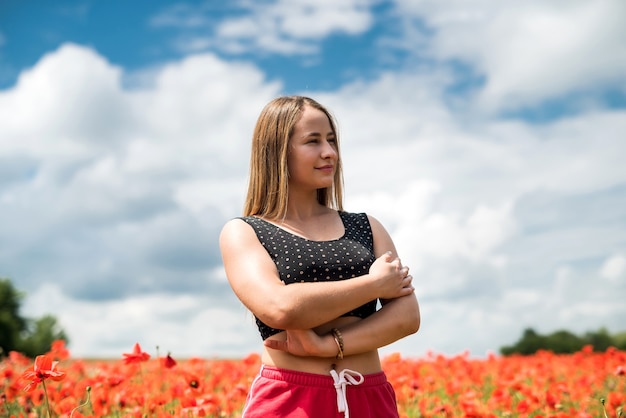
column 329, row 150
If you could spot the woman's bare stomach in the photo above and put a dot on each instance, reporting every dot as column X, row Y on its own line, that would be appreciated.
column 364, row 363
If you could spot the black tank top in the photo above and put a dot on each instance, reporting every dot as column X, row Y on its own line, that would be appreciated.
column 301, row 260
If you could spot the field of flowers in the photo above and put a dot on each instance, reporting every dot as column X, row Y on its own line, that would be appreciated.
column 581, row 385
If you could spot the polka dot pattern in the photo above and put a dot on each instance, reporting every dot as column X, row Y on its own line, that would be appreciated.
column 300, row 260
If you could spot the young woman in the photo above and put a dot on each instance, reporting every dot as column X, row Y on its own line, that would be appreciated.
column 312, row 275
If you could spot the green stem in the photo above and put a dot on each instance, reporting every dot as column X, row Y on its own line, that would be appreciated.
column 84, row 403
column 45, row 394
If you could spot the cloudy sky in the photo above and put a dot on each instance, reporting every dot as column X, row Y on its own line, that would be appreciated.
column 488, row 137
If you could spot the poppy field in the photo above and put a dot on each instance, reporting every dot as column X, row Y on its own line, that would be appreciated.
column 585, row 384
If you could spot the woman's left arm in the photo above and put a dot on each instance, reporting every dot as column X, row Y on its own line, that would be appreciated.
column 395, row 320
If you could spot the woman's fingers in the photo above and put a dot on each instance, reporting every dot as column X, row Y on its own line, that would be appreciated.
column 408, row 282
column 398, row 263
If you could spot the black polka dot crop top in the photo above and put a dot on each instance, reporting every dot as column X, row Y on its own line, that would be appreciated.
column 300, row 260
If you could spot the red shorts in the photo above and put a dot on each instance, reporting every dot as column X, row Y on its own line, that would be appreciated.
column 280, row 393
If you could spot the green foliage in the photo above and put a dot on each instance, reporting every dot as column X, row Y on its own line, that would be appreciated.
column 563, row 342
column 28, row 336
column 11, row 323
column 620, row 340
column 528, row 344
column 602, row 340
column 42, row 332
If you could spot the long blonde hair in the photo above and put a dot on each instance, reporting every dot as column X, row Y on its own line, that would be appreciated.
column 268, row 178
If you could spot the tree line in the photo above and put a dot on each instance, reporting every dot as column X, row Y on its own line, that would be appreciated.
column 29, row 336
column 563, row 342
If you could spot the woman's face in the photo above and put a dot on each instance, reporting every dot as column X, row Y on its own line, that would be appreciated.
column 312, row 158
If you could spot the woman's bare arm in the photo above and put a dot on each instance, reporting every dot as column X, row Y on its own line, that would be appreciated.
column 398, row 318
column 254, row 279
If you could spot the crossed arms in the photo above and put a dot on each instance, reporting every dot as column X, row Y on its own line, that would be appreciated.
column 300, row 307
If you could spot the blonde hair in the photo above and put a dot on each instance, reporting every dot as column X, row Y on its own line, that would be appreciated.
column 268, row 178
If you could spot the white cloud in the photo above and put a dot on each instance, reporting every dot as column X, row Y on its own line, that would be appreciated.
column 198, row 97
column 185, row 325
column 427, row 232
column 528, row 51
column 199, row 196
column 311, row 19
column 180, row 15
column 84, row 186
column 284, row 27
column 72, row 112
column 614, row 267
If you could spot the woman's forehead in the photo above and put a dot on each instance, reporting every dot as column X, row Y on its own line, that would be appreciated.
column 312, row 118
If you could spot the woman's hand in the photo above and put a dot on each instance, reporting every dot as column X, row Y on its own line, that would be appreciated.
column 305, row 343
column 392, row 277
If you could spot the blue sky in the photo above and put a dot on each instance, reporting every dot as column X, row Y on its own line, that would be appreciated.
column 487, row 137
column 150, row 33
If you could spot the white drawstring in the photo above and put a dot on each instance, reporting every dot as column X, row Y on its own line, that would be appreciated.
column 344, row 378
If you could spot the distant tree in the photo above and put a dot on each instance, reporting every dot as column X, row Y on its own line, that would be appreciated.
column 620, row 340
column 41, row 334
column 601, row 340
column 28, row 336
column 12, row 325
column 563, row 341
column 528, row 344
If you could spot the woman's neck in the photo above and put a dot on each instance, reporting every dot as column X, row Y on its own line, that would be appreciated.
column 303, row 206
column 300, row 213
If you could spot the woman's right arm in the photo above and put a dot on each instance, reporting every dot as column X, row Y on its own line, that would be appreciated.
column 253, row 277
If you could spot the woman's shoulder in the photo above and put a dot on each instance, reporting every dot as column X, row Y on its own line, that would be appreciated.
column 235, row 227
column 234, row 222
column 239, row 221
column 247, row 227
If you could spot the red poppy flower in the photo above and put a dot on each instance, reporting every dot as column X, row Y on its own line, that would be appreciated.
column 58, row 350
column 44, row 368
column 168, row 361
column 192, row 380
column 137, row 356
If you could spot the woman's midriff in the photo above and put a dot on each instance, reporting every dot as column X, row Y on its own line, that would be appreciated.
column 364, row 363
